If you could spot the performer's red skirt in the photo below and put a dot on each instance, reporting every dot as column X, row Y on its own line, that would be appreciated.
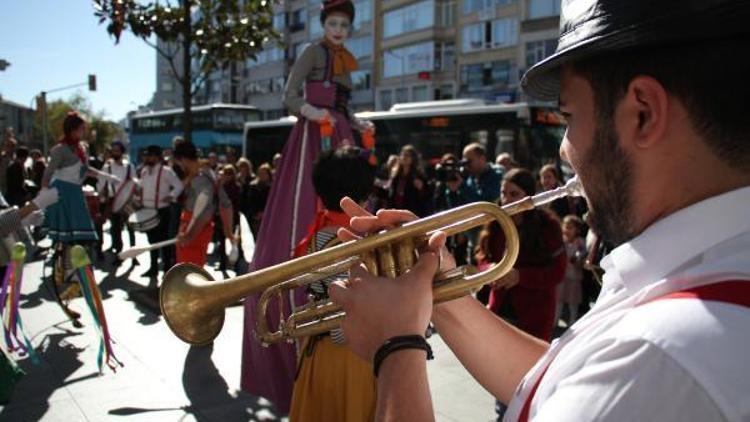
column 195, row 251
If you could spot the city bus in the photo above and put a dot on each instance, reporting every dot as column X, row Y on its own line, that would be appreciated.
column 531, row 134
column 215, row 127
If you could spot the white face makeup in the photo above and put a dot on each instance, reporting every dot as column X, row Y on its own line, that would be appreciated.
column 336, row 28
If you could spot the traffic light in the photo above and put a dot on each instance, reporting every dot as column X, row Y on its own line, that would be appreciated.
column 41, row 104
column 92, row 82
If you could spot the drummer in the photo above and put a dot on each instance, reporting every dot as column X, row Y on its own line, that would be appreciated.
column 203, row 195
column 117, row 195
column 160, row 187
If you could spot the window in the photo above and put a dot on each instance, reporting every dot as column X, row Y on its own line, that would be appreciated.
column 471, row 6
column 499, row 33
column 410, row 18
column 408, row 60
column 360, row 47
column 445, row 14
column 420, row 93
column 478, row 76
column 361, row 80
column 364, row 13
column 445, row 92
column 298, row 19
column 279, row 21
column 444, row 56
column 504, row 32
column 539, row 50
column 402, row 95
column 167, row 86
column 543, row 8
column 386, row 99
column 316, row 28
column 472, row 37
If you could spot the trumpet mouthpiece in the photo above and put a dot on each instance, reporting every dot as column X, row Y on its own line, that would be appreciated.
column 573, row 187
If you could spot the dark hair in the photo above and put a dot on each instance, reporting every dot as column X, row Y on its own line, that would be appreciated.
column 713, row 95
column 416, row 163
column 336, row 6
column 185, row 150
column 72, row 121
column 119, row 145
column 22, row 152
column 342, row 172
column 521, row 178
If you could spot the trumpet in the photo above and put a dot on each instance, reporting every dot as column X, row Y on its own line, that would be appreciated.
column 193, row 303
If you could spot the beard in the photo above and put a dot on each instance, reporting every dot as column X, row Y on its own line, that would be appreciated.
column 608, row 171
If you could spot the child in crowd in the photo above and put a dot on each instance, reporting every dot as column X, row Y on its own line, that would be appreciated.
column 569, row 293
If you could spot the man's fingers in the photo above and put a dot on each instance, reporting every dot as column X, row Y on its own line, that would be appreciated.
column 366, row 224
column 351, row 208
column 436, row 241
column 394, row 217
column 425, row 268
column 346, row 235
column 339, row 293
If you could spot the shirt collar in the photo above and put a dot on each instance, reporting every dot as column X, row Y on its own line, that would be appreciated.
column 674, row 240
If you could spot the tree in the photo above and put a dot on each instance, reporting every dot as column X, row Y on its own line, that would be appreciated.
column 100, row 131
column 202, row 36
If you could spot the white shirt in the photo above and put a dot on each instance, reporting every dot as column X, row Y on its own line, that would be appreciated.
column 170, row 186
column 669, row 360
column 116, row 169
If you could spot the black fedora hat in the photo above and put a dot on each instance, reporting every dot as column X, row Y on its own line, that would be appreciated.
column 593, row 27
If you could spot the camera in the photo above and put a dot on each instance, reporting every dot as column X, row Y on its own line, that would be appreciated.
column 449, row 171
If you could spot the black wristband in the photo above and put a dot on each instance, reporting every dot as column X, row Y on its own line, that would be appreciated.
column 399, row 343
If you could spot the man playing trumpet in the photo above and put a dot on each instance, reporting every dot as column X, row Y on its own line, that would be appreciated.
column 646, row 106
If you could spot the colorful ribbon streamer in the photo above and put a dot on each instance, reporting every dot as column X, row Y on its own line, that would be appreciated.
column 10, row 294
column 93, row 297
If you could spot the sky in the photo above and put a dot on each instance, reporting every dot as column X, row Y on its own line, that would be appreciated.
column 56, row 43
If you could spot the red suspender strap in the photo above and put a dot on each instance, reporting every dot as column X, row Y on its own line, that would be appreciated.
column 158, row 185
column 735, row 292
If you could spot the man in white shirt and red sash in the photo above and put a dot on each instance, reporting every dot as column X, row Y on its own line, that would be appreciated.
column 160, row 187
column 654, row 93
column 118, row 195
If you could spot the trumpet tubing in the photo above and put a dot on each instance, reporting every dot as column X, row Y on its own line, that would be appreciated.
column 193, row 303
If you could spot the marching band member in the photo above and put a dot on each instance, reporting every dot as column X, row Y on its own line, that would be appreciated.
column 333, row 384
column 68, row 219
column 203, row 196
column 658, row 136
column 13, row 220
column 118, row 194
column 160, row 187
column 322, row 72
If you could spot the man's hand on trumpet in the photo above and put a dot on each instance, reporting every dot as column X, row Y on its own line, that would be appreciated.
column 379, row 308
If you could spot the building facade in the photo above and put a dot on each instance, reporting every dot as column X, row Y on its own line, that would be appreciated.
column 21, row 119
column 408, row 50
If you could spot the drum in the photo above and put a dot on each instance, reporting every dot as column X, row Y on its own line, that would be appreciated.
column 123, row 201
column 93, row 205
column 144, row 219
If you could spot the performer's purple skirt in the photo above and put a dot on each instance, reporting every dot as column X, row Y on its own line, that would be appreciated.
column 292, row 204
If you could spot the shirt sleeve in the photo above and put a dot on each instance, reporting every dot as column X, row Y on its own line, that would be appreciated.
column 627, row 380
column 292, row 97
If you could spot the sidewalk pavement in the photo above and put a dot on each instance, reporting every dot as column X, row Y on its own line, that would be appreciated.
column 164, row 379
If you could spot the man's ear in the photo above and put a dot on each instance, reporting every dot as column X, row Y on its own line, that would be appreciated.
column 646, row 111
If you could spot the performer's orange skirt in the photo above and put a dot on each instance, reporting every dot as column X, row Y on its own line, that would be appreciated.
column 333, row 384
column 195, row 251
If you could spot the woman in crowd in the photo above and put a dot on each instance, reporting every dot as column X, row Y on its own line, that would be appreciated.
column 256, row 196
column 527, row 294
column 408, row 184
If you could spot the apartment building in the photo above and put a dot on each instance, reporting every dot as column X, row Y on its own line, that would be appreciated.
column 408, row 50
